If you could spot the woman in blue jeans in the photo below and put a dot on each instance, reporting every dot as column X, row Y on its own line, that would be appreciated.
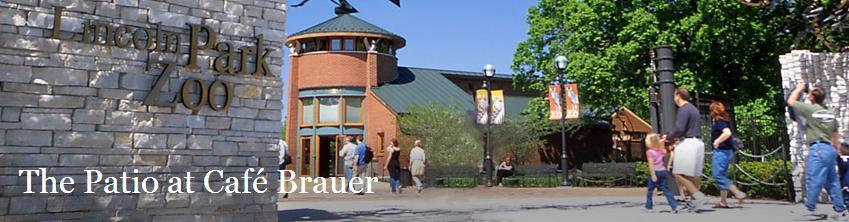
column 723, row 152
column 393, row 165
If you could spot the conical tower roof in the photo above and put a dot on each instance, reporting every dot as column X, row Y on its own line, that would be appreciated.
column 347, row 25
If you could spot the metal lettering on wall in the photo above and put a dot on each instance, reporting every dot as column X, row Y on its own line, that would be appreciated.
column 158, row 40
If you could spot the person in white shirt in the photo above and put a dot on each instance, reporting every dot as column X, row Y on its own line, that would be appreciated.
column 505, row 169
column 418, row 161
column 349, row 154
column 284, row 157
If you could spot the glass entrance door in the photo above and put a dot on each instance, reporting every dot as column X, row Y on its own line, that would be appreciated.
column 306, row 156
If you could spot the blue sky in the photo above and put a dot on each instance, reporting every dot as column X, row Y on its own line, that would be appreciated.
column 444, row 34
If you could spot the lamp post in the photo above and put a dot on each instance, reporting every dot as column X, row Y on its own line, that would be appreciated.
column 488, row 72
column 560, row 63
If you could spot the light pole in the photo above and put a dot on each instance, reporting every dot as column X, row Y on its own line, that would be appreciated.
column 488, row 72
column 560, row 63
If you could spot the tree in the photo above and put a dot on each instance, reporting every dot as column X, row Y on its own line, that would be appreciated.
column 448, row 134
column 721, row 47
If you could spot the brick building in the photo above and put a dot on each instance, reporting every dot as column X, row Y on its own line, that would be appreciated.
column 344, row 80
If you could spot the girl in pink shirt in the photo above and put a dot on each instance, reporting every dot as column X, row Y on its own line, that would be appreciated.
column 659, row 174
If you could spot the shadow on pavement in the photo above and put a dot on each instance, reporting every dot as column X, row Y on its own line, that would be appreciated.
column 315, row 214
column 306, row 215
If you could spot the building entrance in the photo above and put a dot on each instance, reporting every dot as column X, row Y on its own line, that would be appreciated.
column 319, row 156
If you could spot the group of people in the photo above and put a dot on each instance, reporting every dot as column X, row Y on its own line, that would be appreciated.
column 686, row 156
column 825, row 167
column 417, row 164
column 356, row 155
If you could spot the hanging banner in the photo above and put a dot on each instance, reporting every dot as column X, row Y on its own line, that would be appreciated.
column 572, row 102
column 573, row 110
column 481, row 103
column 497, row 111
column 554, row 110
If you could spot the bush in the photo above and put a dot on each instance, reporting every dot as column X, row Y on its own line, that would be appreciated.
column 448, row 134
column 552, row 181
column 456, row 182
column 772, row 171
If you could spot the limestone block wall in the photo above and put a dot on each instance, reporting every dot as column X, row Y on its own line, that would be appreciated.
column 68, row 106
column 830, row 71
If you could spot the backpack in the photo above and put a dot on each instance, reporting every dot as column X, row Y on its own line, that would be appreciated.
column 736, row 142
column 287, row 159
column 368, row 156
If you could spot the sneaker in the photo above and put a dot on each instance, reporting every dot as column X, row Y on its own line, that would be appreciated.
column 649, row 211
column 844, row 216
column 699, row 201
column 811, row 216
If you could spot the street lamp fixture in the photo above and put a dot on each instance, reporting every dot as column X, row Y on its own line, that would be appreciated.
column 488, row 72
column 560, row 62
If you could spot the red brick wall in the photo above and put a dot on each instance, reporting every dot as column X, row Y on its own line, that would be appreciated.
column 332, row 69
column 387, row 68
column 292, row 112
column 379, row 119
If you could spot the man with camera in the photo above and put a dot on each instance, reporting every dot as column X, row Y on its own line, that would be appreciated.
column 823, row 138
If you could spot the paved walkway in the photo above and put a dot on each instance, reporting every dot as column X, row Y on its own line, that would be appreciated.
column 517, row 204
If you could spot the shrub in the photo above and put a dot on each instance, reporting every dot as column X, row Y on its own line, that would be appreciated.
column 772, row 171
column 448, row 134
column 456, row 182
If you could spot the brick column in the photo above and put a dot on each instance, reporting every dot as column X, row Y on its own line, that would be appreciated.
column 292, row 112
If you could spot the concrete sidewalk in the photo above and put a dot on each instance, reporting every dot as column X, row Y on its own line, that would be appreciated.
column 520, row 204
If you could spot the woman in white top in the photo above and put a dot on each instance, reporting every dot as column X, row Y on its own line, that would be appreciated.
column 418, row 161
column 505, row 169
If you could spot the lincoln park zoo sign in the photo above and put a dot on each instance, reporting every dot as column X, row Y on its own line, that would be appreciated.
column 157, row 40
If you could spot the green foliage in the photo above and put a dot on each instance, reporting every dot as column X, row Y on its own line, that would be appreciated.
column 756, row 118
column 518, row 138
column 721, row 47
column 772, row 171
column 551, row 181
column 456, row 182
column 448, row 134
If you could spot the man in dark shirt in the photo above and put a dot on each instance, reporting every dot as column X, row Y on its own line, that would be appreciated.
column 689, row 151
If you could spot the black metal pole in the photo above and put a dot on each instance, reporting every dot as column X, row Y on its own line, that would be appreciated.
column 666, row 69
column 564, row 164
column 488, row 157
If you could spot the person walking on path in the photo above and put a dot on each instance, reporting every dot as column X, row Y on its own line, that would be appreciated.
column 843, row 172
column 821, row 133
column 393, row 165
column 348, row 154
column 360, row 167
column 285, row 159
column 690, row 150
column 659, row 175
column 723, row 152
column 418, row 161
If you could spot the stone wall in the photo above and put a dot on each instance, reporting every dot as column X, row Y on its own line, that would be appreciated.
column 829, row 70
column 68, row 106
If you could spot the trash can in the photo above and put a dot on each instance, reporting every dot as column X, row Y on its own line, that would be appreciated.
column 406, row 178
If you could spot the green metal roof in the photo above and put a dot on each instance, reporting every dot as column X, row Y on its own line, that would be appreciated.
column 346, row 23
column 415, row 86
column 420, row 86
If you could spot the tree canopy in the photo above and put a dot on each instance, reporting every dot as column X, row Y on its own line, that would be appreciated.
column 721, row 47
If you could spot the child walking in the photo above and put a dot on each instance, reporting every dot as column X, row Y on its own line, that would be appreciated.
column 659, row 174
column 843, row 171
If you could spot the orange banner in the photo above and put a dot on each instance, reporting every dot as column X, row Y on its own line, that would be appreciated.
column 572, row 102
